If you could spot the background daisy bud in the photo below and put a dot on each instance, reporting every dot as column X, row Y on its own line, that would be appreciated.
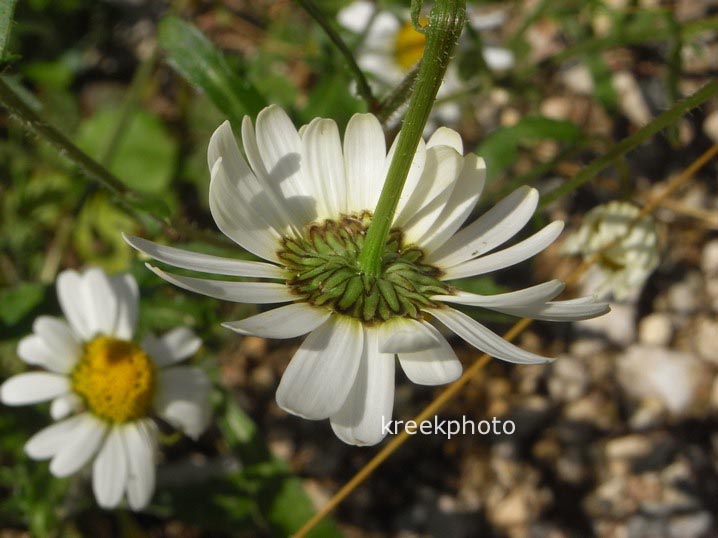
column 106, row 388
column 628, row 250
column 303, row 200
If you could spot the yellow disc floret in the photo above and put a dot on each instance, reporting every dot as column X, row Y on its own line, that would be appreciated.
column 408, row 46
column 116, row 379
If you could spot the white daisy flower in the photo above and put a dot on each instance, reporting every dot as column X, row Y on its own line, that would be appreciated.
column 110, row 384
column 302, row 200
column 623, row 268
column 391, row 47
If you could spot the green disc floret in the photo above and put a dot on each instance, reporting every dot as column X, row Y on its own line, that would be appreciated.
column 324, row 268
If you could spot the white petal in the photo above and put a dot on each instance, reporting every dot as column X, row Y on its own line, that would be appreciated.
column 48, row 441
column 432, row 366
column 369, row 405
column 260, row 199
column 109, row 472
column 173, row 346
column 102, row 316
column 64, row 405
column 34, row 350
column 356, row 16
column 238, row 292
column 33, row 387
column 139, row 439
column 559, row 311
column 204, row 263
column 280, row 147
column 509, row 256
column 459, row 206
column 442, row 168
column 412, row 180
column 79, row 449
column 444, row 136
column 364, row 155
column 60, row 340
column 532, row 296
column 493, row 228
column 483, row 339
column 319, row 377
column 183, row 399
column 236, row 213
column 404, row 335
column 284, row 322
column 75, row 304
column 323, row 164
column 128, row 302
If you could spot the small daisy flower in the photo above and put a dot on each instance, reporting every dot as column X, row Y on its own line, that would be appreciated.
column 111, row 386
column 302, row 200
column 391, row 47
column 624, row 266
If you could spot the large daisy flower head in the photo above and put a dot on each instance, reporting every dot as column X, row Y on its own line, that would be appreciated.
column 110, row 386
column 302, row 200
column 391, row 46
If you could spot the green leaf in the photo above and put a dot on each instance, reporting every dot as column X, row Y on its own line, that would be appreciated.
column 97, row 234
column 291, row 508
column 195, row 58
column 19, row 301
column 144, row 158
column 500, row 148
column 7, row 8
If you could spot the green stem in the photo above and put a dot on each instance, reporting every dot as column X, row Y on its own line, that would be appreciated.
column 362, row 85
column 446, row 21
column 668, row 118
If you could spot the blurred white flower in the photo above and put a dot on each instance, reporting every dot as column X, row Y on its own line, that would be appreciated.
column 303, row 200
column 632, row 252
column 112, row 385
column 391, row 47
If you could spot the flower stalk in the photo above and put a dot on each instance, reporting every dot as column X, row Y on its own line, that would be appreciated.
column 446, row 21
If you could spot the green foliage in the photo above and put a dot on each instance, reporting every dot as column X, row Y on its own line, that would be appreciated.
column 500, row 149
column 7, row 7
column 144, row 158
column 201, row 64
column 19, row 301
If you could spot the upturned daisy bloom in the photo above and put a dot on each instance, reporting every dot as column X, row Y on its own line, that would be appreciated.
column 628, row 251
column 391, row 47
column 111, row 385
column 302, row 200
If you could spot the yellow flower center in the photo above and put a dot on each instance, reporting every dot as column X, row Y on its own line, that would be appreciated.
column 409, row 45
column 115, row 378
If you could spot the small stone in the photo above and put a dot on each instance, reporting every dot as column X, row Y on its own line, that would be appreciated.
column 655, row 329
column 710, row 126
column 705, row 342
column 628, row 447
column 709, row 258
column 568, row 379
column 630, row 98
column 595, row 409
column 684, row 297
column 651, row 413
column 673, row 378
column 578, row 79
column 694, row 525
column 512, row 510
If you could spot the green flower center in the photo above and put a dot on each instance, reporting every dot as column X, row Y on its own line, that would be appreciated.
column 324, row 269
